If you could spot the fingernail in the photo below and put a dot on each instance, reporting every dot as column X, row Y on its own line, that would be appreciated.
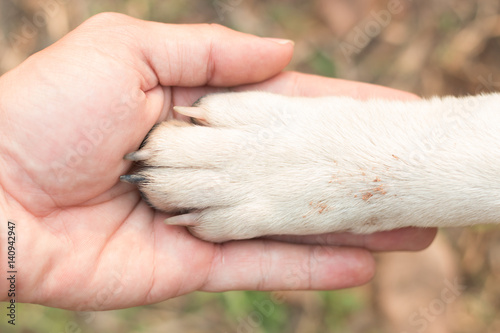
column 280, row 41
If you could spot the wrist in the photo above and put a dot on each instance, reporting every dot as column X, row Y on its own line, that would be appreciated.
column 4, row 247
column 5, row 207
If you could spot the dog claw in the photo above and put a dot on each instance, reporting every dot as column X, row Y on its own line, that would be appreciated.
column 186, row 220
column 132, row 179
column 137, row 156
column 196, row 113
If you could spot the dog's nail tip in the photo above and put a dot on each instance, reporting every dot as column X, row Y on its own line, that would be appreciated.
column 186, row 220
column 183, row 109
column 191, row 111
column 129, row 157
column 136, row 156
column 132, row 179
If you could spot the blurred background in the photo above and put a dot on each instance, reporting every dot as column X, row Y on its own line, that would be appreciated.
column 426, row 47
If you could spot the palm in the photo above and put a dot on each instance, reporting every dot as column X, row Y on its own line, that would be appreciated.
column 88, row 242
column 108, row 249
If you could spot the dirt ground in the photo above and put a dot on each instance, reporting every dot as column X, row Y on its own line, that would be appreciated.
column 425, row 47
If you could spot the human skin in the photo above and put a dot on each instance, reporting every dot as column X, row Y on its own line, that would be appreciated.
column 84, row 240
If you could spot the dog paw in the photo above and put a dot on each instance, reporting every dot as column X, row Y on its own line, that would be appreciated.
column 242, row 170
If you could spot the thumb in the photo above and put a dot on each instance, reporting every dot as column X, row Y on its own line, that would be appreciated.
column 196, row 54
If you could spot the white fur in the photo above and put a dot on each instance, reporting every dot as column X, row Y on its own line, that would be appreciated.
column 269, row 164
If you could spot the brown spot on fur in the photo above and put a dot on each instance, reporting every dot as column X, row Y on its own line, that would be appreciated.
column 320, row 207
column 395, row 157
column 376, row 179
column 380, row 189
column 367, row 196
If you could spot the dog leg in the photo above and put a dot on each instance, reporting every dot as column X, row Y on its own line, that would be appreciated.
column 266, row 164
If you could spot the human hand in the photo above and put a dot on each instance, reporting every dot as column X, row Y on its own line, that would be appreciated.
column 87, row 242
